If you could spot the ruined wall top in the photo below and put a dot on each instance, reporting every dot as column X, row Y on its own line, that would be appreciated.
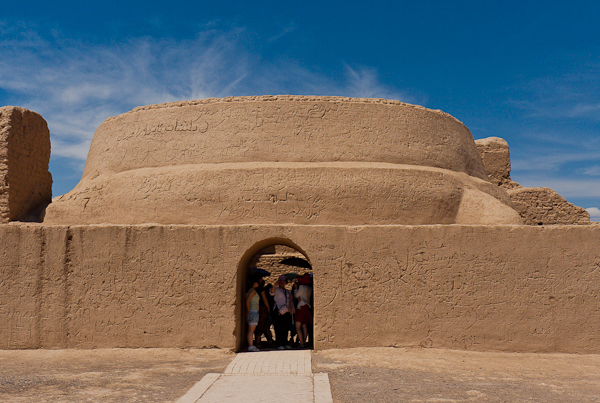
column 282, row 129
column 25, row 182
column 535, row 205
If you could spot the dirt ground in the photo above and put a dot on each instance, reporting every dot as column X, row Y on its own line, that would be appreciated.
column 356, row 375
column 105, row 375
column 438, row 375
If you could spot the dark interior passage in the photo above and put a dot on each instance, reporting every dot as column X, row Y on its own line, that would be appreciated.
column 276, row 300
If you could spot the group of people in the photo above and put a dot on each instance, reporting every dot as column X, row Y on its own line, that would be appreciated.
column 289, row 311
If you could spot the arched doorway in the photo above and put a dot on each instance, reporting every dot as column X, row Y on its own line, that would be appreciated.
column 268, row 259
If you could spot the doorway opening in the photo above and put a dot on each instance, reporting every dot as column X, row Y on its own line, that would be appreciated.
column 278, row 270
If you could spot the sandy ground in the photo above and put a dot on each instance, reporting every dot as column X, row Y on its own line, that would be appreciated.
column 105, row 375
column 438, row 375
column 356, row 375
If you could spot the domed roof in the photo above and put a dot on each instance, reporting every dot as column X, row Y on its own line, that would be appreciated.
column 283, row 159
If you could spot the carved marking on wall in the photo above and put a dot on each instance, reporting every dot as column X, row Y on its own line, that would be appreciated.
column 361, row 272
column 177, row 125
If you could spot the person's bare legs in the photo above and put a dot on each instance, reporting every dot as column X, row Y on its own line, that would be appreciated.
column 250, row 335
column 300, row 335
column 305, row 333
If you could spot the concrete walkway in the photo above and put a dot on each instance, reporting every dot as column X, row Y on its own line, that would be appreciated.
column 281, row 376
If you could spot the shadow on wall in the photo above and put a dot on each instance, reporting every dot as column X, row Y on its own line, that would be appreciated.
column 264, row 255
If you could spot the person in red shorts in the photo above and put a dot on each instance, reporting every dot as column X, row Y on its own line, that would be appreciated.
column 303, row 317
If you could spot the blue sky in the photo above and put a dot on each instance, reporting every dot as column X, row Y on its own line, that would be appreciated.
column 525, row 71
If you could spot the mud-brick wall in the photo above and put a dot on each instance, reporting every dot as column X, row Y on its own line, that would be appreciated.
column 510, row 288
column 25, row 182
column 82, row 287
column 467, row 287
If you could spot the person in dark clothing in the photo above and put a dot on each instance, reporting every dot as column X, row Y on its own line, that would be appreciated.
column 282, row 314
column 264, row 315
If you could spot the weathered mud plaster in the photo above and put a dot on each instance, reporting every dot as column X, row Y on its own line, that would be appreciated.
column 509, row 288
column 284, row 159
column 25, row 182
column 536, row 206
column 543, row 206
column 374, row 193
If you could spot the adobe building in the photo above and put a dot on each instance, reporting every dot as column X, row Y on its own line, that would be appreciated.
column 416, row 234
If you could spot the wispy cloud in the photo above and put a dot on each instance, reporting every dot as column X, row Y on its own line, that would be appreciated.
column 284, row 31
column 552, row 160
column 559, row 146
column 363, row 81
column 584, row 110
column 594, row 213
column 570, row 169
column 592, row 171
column 76, row 85
column 573, row 95
column 570, row 188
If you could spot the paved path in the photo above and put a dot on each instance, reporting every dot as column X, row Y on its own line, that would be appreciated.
column 281, row 376
column 356, row 375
